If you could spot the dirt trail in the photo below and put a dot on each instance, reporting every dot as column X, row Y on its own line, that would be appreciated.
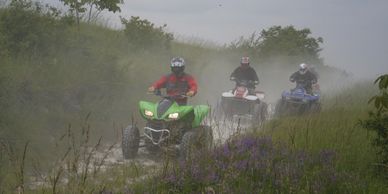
column 108, row 156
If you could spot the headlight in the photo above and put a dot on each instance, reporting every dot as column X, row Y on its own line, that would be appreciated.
column 148, row 113
column 173, row 115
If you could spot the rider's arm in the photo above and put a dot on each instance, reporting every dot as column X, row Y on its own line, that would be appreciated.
column 234, row 73
column 293, row 76
column 314, row 79
column 160, row 83
column 192, row 84
column 254, row 76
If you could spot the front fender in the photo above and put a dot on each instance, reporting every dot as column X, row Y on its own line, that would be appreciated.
column 200, row 113
column 143, row 105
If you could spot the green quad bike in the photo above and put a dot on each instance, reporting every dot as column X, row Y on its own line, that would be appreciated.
column 169, row 125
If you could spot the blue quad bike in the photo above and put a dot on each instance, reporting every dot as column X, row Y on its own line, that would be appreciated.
column 298, row 101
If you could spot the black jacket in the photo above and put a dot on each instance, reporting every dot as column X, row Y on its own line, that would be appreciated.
column 307, row 78
column 245, row 74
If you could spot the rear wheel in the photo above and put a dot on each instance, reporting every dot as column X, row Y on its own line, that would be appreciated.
column 260, row 113
column 195, row 141
column 315, row 107
column 130, row 142
column 205, row 137
column 279, row 108
column 187, row 145
column 224, row 107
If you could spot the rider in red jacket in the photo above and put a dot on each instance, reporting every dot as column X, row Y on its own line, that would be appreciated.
column 178, row 82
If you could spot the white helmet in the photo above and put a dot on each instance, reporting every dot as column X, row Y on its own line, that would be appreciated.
column 244, row 61
column 177, row 65
column 177, row 62
column 302, row 68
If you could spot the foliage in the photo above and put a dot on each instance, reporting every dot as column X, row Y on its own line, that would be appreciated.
column 143, row 34
column 280, row 41
column 378, row 122
column 381, row 101
column 81, row 6
column 50, row 77
column 28, row 28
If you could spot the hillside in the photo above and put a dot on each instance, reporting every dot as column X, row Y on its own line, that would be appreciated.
column 59, row 78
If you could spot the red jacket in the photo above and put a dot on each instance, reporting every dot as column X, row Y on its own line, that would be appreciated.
column 177, row 85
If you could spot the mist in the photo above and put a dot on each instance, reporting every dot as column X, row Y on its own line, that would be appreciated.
column 353, row 31
column 274, row 79
column 64, row 83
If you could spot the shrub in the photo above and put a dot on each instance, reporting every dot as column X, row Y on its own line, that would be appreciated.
column 286, row 42
column 30, row 29
column 142, row 34
column 378, row 122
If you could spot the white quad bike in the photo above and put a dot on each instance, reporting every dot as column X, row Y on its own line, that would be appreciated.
column 244, row 105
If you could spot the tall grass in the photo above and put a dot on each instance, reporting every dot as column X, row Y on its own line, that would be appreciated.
column 93, row 69
column 336, row 128
column 327, row 152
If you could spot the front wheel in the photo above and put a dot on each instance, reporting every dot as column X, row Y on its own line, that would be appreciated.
column 130, row 142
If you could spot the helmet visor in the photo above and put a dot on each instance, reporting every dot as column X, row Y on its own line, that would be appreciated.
column 302, row 70
column 177, row 64
column 177, row 70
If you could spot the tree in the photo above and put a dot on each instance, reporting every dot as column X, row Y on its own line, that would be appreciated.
column 142, row 34
column 81, row 6
column 280, row 41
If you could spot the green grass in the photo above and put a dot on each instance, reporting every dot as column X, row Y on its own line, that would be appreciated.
column 96, row 71
column 337, row 128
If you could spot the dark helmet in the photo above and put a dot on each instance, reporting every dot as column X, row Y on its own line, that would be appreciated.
column 177, row 65
column 244, row 61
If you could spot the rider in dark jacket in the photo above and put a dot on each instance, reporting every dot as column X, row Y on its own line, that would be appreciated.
column 245, row 72
column 178, row 82
column 304, row 77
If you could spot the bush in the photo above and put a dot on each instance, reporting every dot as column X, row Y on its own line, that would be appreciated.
column 378, row 122
column 284, row 42
column 142, row 34
column 30, row 29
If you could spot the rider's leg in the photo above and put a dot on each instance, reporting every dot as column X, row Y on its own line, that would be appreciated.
column 182, row 102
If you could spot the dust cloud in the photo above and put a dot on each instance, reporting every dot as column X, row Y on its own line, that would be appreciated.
column 213, row 79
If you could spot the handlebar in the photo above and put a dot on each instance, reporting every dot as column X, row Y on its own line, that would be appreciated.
column 240, row 81
column 159, row 93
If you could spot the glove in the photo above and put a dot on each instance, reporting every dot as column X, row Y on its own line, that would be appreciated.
column 151, row 89
column 190, row 94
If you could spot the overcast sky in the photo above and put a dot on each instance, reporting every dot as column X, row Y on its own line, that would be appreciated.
column 354, row 31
